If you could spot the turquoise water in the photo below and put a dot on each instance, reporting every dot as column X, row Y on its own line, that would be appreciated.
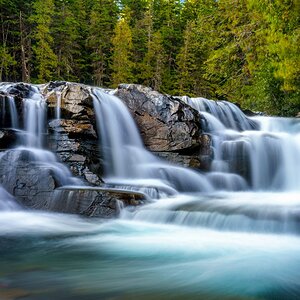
column 48, row 256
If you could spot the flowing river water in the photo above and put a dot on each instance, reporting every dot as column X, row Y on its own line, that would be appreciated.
column 230, row 233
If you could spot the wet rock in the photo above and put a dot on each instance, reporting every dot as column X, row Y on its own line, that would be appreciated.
column 94, row 202
column 74, row 137
column 30, row 183
column 191, row 161
column 75, row 129
column 76, row 144
column 166, row 123
column 75, row 100
column 8, row 138
column 20, row 90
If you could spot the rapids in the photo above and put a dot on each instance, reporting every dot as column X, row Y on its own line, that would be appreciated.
column 230, row 233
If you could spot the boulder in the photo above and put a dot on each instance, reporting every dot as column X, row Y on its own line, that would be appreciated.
column 37, row 185
column 30, row 183
column 75, row 100
column 166, row 124
column 8, row 138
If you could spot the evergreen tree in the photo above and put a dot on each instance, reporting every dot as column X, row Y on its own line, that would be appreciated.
column 102, row 23
column 186, row 61
column 154, row 62
column 81, row 10
column 66, row 36
column 171, row 30
column 46, row 60
column 275, row 71
column 122, row 64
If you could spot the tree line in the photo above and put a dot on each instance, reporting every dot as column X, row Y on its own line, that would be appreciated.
column 246, row 51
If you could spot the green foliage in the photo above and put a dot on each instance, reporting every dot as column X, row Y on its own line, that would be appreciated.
column 6, row 61
column 122, row 50
column 154, row 63
column 103, row 19
column 66, row 36
column 46, row 60
column 246, row 51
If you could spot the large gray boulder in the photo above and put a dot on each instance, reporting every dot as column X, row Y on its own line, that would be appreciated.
column 32, row 184
column 166, row 124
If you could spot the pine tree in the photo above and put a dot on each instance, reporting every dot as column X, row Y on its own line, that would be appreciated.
column 46, row 60
column 66, row 36
column 81, row 10
column 154, row 62
column 122, row 50
column 186, row 61
column 102, row 23
column 171, row 29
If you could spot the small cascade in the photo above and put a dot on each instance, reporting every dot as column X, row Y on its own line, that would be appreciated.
column 7, row 202
column 58, row 105
column 3, row 111
column 126, row 157
column 8, row 107
column 13, row 112
column 30, row 146
column 35, row 108
column 227, row 113
column 262, row 150
column 246, row 212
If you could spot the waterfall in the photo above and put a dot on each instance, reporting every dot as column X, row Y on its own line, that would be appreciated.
column 227, row 113
column 7, row 202
column 263, row 150
column 35, row 118
column 34, row 129
column 58, row 105
column 126, row 157
column 9, row 107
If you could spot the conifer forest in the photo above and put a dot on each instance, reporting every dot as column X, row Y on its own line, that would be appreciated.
column 245, row 51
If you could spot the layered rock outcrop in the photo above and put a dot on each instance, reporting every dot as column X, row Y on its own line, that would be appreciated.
column 73, row 136
column 169, row 128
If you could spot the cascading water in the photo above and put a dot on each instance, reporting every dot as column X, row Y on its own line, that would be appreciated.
column 34, row 119
column 125, row 156
column 7, row 202
column 264, row 150
column 31, row 140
